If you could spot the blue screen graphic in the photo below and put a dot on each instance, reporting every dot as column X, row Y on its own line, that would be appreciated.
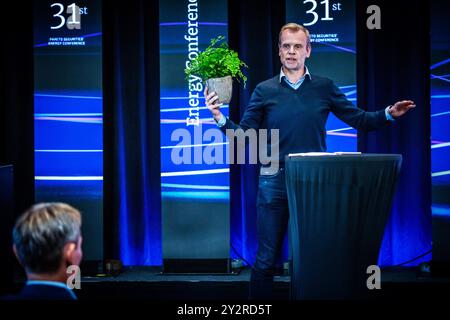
column 195, row 192
column 183, row 107
column 69, row 112
column 182, row 104
column 440, row 129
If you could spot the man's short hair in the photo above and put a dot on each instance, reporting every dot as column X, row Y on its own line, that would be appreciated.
column 294, row 27
column 41, row 233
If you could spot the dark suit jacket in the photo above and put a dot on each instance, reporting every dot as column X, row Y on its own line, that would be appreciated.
column 41, row 292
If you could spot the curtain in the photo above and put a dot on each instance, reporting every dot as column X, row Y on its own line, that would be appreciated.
column 132, row 222
column 393, row 64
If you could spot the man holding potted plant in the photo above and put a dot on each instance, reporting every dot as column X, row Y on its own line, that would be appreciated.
column 297, row 104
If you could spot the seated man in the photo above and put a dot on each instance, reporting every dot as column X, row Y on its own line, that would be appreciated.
column 47, row 240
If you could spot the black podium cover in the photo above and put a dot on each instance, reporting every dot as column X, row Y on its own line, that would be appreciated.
column 339, row 206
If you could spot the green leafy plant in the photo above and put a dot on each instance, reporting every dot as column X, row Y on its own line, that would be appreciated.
column 217, row 61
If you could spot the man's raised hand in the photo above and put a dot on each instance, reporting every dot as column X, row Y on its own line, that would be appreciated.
column 211, row 102
column 400, row 108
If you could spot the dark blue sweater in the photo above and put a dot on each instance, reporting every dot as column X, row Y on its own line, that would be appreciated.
column 300, row 115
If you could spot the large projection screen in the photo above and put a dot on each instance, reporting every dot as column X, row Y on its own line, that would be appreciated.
column 68, row 110
column 195, row 193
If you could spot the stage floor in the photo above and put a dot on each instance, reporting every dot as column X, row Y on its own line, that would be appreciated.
column 149, row 283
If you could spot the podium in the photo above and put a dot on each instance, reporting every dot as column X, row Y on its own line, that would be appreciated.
column 339, row 206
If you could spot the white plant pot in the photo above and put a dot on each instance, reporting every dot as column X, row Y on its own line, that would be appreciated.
column 223, row 87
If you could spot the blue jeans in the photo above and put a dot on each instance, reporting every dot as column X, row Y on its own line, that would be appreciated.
column 272, row 221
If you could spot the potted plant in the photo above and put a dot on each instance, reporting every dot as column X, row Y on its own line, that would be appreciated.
column 217, row 65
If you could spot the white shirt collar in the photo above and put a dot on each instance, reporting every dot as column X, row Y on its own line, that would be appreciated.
column 304, row 75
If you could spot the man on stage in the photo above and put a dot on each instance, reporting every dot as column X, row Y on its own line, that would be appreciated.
column 297, row 103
